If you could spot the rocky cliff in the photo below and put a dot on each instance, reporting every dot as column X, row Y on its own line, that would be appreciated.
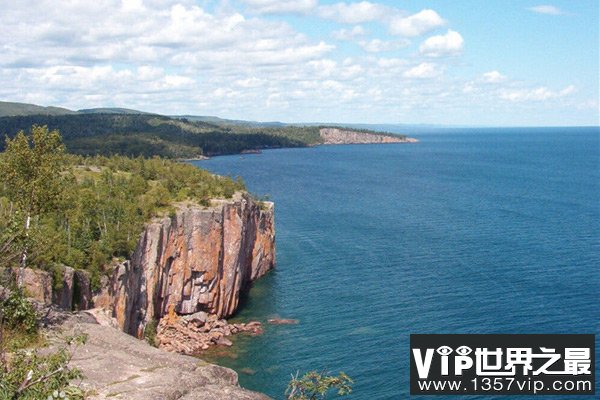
column 191, row 268
column 200, row 259
column 343, row 136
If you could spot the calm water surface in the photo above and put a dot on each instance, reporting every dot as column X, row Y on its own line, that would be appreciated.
column 469, row 231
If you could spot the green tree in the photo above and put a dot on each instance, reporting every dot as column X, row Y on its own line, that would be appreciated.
column 316, row 385
column 31, row 170
column 10, row 236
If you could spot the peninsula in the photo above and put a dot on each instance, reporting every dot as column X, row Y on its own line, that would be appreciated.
column 107, row 131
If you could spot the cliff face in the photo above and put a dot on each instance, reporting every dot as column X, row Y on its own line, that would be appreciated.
column 73, row 292
column 342, row 136
column 198, row 260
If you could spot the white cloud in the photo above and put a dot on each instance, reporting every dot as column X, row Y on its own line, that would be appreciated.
column 422, row 71
column 493, row 77
column 378, row 45
column 176, row 81
column 450, row 44
column 541, row 93
column 157, row 55
column 252, row 82
column 172, row 33
column 148, row 72
column 275, row 99
column 416, row 24
column 179, row 56
column 351, row 71
column 389, row 63
column 353, row 13
column 349, row 34
column 281, row 6
column 546, row 9
column 324, row 67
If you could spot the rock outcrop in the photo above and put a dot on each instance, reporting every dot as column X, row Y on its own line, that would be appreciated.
column 72, row 293
column 187, row 273
column 200, row 259
column 118, row 366
column 344, row 136
column 38, row 285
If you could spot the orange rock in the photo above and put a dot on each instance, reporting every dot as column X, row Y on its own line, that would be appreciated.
column 201, row 259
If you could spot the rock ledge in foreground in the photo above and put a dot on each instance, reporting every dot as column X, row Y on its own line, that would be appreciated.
column 119, row 366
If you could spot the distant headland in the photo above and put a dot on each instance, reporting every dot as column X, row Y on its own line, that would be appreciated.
column 108, row 131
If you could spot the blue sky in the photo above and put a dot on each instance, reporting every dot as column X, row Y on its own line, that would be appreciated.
column 498, row 63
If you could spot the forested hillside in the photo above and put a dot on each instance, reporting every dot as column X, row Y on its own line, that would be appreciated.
column 110, row 131
column 152, row 135
column 18, row 109
column 86, row 210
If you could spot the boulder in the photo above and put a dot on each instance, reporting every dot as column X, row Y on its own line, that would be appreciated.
column 282, row 321
column 198, row 319
column 38, row 285
column 224, row 342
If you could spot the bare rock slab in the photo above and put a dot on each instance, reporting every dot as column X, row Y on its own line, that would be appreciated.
column 119, row 366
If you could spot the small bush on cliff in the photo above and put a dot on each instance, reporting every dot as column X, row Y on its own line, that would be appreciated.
column 317, row 385
column 262, row 201
column 18, row 318
column 150, row 332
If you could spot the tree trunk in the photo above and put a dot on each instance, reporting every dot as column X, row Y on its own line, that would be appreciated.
column 23, row 262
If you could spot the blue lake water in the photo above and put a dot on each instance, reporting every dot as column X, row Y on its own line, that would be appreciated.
column 468, row 231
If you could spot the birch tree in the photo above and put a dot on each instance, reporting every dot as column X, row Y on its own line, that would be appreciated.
column 31, row 170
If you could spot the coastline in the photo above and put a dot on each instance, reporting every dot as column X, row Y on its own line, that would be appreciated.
column 183, row 281
column 400, row 140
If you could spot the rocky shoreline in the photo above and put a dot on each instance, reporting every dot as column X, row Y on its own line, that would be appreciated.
column 192, row 334
column 332, row 136
column 335, row 136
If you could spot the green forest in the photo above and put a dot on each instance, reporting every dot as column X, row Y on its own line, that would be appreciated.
column 148, row 135
column 86, row 210
column 152, row 135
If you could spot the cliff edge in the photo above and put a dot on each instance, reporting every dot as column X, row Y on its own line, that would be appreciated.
column 346, row 136
column 200, row 259
column 187, row 272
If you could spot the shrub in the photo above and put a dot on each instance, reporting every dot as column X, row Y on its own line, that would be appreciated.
column 316, row 385
column 150, row 332
column 17, row 313
column 32, row 376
